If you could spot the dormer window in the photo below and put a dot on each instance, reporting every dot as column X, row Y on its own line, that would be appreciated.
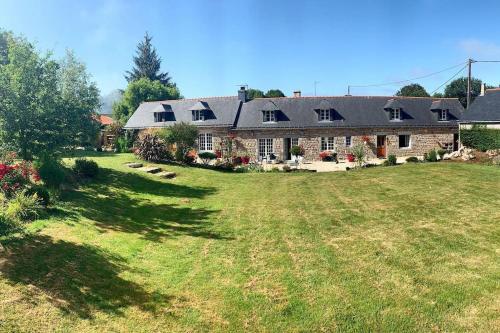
column 160, row 117
column 324, row 115
column 268, row 116
column 443, row 115
column 395, row 114
column 198, row 115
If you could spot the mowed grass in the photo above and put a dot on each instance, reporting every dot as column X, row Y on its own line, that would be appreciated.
column 407, row 248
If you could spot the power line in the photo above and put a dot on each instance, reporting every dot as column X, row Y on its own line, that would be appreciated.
column 451, row 78
column 405, row 81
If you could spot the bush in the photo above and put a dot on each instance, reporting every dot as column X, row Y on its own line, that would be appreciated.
column 51, row 171
column 207, row 156
column 287, row 168
column 183, row 135
column 22, row 207
column 8, row 225
column 86, row 168
column 42, row 194
column 391, row 160
column 297, row 151
column 359, row 154
column 481, row 138
column 412, row 159
column 152, row 148
column 431, row 156
column 441, row 153
column 122, row 145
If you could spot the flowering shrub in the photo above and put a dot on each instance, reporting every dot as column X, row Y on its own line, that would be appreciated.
column 328, row 156
column 366, row 139
column 15, row 177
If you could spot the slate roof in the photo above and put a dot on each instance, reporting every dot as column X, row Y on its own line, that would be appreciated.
column 348, row 111
column 484, row 108
column 300, row 112
column 221, row 112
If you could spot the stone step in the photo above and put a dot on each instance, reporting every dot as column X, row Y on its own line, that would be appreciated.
column 166, row 174
column 134, row 165
column 150, row 169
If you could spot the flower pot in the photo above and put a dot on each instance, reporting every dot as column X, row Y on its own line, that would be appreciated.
column 245, row 159
column 350, row 157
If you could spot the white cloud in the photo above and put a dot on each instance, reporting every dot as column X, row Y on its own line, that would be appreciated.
column 480, row 48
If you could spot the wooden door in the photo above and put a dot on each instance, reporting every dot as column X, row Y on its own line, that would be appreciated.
column 381, row 146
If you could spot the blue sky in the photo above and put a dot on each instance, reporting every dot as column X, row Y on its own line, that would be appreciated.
column 211, row 46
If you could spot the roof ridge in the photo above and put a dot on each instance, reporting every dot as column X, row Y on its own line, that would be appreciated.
column 352, row 96
column 191, row 99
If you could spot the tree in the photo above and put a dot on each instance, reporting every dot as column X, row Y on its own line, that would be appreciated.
column 147, row 64
column 413, row 90
column 45, row 106
column 80, row 102
column 458, row 89
column 438, row 95
column 183, row 135
column 254, row 93
column 3, row 47
column 274, row 93
column 28, row 101
column 142, row 90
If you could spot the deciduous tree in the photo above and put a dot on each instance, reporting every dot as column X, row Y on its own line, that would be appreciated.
column 413, row 90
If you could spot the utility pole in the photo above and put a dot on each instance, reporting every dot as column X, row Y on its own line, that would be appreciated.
column 348, row 90
column 469, row 81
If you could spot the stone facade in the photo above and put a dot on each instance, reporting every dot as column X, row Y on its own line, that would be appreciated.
column 422, row 140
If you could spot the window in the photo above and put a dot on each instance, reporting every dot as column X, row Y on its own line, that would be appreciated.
column 160, row 117
column 268, row 116
column 198, row 115
column 404, row 141
column 348, row 141
column 395, row 114
column 324, row 115
column 294, row 142
column 448, row 146
column 205, row 142
column 443, row 115
column 327, row 143
column 265, row 147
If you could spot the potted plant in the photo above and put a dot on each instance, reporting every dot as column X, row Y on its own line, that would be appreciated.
column 245, row 159
column 325, row 156
column 297, row 152
column 350, row 157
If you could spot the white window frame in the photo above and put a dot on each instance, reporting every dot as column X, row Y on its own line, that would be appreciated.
column 205, row 142
column 327, row 143
column 265, row 147
column 325, row 115
column 348, row 141
column 268, row 116
column 160, row 117
column 395, row 115
column 443, row 115
column 198, row 115
column 294, row 142
column 409, row 140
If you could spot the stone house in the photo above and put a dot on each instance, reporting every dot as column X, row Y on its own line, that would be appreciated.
column 269, row 127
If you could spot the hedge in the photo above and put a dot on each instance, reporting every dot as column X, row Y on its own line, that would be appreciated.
column 481, row 138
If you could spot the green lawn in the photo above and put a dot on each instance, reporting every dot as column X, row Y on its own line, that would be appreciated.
column 407, row 248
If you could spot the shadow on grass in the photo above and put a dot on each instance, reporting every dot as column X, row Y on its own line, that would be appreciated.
column 122, row 202
column 76, row 278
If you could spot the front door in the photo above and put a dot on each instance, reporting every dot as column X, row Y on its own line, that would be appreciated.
column 455, row 142
column 381, row 146
column 288, row 146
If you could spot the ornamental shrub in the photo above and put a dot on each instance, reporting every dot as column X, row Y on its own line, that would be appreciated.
column 41, row 192
column 86, row 168
column 22, row 207
column 207, row 156
column 16, row 177
column 151, row 148
column 51, row 171
column 359, row 154
column 412, row 159
column 297, row 151
column 431, row 156
column 481, row 138
column 391, row 160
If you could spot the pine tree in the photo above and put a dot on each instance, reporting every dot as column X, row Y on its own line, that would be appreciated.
column 147, row 64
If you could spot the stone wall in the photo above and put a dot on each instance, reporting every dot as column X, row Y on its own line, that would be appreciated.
column 422, row 140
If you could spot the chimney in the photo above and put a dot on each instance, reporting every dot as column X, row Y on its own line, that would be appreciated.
column 483, row 88
column 297, row 93
column 242, row 94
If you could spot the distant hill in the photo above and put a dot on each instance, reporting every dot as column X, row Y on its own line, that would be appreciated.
column 108, row 100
